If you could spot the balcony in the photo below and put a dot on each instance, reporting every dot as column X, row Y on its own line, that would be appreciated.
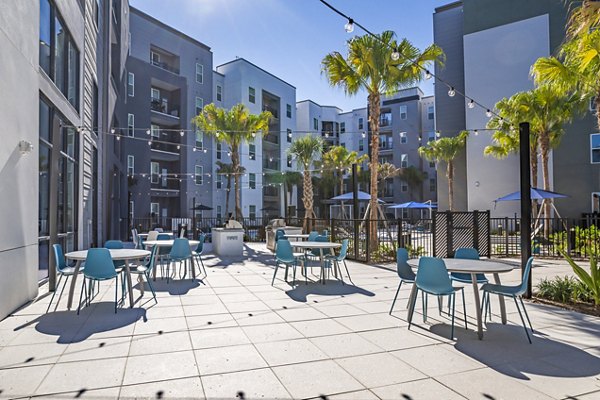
column 271, row 164
column 167, row 187
column 165, row 66
column 385, row 120
column 163, row 113
column 386, row 144
column 164, row 151
column 271, row 138
column 271, row 193
column 272, row 109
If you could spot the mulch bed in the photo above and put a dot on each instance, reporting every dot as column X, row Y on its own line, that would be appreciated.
column 584, row 308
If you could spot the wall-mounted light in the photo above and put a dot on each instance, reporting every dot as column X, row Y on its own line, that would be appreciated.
column 476, row 183
column 25, row 147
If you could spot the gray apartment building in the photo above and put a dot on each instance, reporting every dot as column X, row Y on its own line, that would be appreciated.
column 169, row 80
column 490, row 47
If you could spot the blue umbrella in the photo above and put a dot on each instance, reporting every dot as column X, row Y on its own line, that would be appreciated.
column 536, row 194
column 413, row 204
column 362, row 196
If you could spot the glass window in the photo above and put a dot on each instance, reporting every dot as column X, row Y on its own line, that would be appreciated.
column 95, row 109
column 251, row 95
column 199, row 139
column 403, row 160
column 154, row 209
column 219, row 212
column 403, row 112
column 433, row 186
column 403, row 187
column 130, row 125
column 252, row 151
column 361, row 123
column 252, row 212
column 219, row 93
column 130, row 165
column 130, row 84
column 155, row 131
column 430, row 112
column 289, row 135
column 199, row 73
column 288, row 110
column 60, row 50
column 45, row 35
column 154, row 172
column 199, row 105
column 219, row 181
column 431, row 164
column 315, row 124
column 289, row 161
column 361, row 145
column 342, row 127
column 403, row 138
column 431, row 136
column 154, row 58
column 252, row 180
column 198, row 175
column 73, row 75
column 219, row 150
column 595, row 148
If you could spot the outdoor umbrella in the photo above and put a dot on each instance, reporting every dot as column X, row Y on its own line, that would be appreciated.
column 362, row 196
column 201, row 207
column 536, row 194
column 413, row 204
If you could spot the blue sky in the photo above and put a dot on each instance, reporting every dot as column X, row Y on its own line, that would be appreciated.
column 289, row 38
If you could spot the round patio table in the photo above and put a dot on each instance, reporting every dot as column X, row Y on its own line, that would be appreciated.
column 145, row 235
column 126, row 255
column 169, row 243
column 472, row 267
column 317, row 245
column 299, row 236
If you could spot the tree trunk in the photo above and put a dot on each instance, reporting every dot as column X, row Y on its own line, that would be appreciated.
column 533, row 162
column 235, row 161
column 544, row 139
column 341, row 182
column 450, row 176
column 285, row 200
column 307, row 198
column 598, row 108
column 227, row 195
column 374, row 113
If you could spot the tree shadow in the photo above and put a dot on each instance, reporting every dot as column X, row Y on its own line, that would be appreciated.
column 301, row 291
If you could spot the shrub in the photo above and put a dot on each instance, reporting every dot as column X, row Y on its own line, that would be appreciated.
column 558, row 289
column 590, row 280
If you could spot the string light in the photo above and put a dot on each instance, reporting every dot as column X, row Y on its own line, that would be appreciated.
column 181, row 133
column 428, row 74
column 476, row 132
column 488, row 113
column 471, row 104
column 451, row 92
column 395, row 54
column 349, row 27
column 112, row 131
column 147, row 131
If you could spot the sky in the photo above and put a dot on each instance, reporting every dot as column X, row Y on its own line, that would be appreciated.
column 289, row 38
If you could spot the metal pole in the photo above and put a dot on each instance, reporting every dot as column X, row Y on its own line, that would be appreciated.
column 355, row 208
column 194, row 218
column 525, row 199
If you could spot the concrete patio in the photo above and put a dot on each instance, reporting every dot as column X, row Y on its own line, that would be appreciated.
column 233, row 334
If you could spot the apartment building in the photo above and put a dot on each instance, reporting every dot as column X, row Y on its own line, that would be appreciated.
column 61, row 53
column 490, row 47
column 240, row 81
column 169, row 80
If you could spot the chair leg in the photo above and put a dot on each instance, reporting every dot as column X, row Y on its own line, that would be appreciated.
column 524, row 310
column 439, row 300
column 149, row 280
column 117, row 291
column 464, row 308
column 347, row 272
column 424, row 296
column 453, row 311
column 484, row 306
column 412, row 307
column 83, row 289
column 395, row 297
column 522, row 320
column 274, row 273
column 54, row 293
column 202, row 264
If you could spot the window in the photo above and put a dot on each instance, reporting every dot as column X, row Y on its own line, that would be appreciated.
column 199, row 139
column 595, row 148
column 361, row 123
column 252, row 151
column 130, row 165
column 45, row 36
column 154, row 168
column 343, row 144
column 199, row 73
column 361, row 145
column 219, row 212
column 219, row 150
column 154, row 210
column 288, row 110
column 289, row 135
column 252, row 212
column 252, row 180
column 430, row 112
column 403, row 187
column 596, row 202
column 155, row 131
column 130, row 125
column 431, row 164
column 198, row 174
column 593, row 105
column 403, row 112
column 289, row 161
column 251, row 95
column 199, row 105
column 219, row 181
column 431, row 136
column 219, row 93
column 155, row 94
column 403, row 138
column 315, row 124
column 95, row 108
column 433, row 186
column 154, row 58
column 342, row 127
column 403, row 160
column 130, row 84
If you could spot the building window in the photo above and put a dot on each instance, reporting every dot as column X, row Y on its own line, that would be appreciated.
column 315, row 124
column 433, row 186
column 154, row 210
column 155, row 131
column 361, row 145
column 252, row 212
column 198, row 174
column 251, row 95
column 342, row 127
column 289, row 161
column 403, row 112
column 45, row 36
column 199, row 73
column 219, row 181
column 403, row 160
column 219, row 93
column 430, row 112
column 219, row 212
column 595, row 148
column 130, row 84
column 343, row 144
column 154, row 58
column 361, row 123
column 289, row 135
column 219, row 150
column 154, row 171
column 130, row 165
column 252, row 180
column 288, row 110
column 596, row 202
column 403, row 187
column 130, row 125
column 199, row 105
column 199, row 139
column 431, row 164
column 252, row 151
column 403, row 138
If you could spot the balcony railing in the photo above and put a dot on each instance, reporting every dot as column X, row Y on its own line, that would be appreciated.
column 385, row 120
column 386, row 145
column 166, row 184
column 272, row 138
column 271, row 164
column 270, row 191
column 272, row 110
column 165, row 66
column 162, row 106
column 171, row 148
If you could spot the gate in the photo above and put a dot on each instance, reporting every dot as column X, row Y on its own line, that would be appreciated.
column 455, row 229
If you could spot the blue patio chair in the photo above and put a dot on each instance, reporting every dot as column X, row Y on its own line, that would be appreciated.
column 405, row 272
column 467, row 253
column 432, row 278
column 199, row 249
column 99, row 266
column 163, row 251
column 113, row 244
column 139, row 243
column 340, row 258
column 511, row 291
column 180, row 252
column 284, row 255
column 146, row 269
column 64, row 270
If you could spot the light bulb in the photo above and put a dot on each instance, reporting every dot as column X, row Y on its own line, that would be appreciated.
column 112, row 131
column 194, row 149
column 395, row 55
column 428, row 74
column 476, row 132
column 253, row 134
column 438, row 133
column 451, row 92
column 488, row 113
column 364, row 135
column 270, row 159
column 149, row 142
column 118, row 137
column 349, row 27
column 471, row 104
column 228, row 154
column 178, row 147
column 181, row 133
column 501, row 120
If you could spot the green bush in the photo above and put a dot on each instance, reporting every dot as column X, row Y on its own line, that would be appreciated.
column 558, row 289
column 587, row 241
column 591, row 280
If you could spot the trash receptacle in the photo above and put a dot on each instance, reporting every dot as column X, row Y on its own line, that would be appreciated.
column 182, row 230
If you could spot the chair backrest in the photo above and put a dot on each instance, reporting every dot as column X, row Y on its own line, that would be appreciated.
column 325, row 233
column 312, row 236
column 113, row 244
column 182, row 232
column 134, row 236
column 163, row 236
column 433, row 275
column 283, row 251
column 344, row 249
column 200, row 246
column 159, row 229
column 59, row 257
column 99, row 264
column 525, row 278
column 404, row 270
column 317, row 252
column 279, row 234
column 467, row 253
column 152, row 235
column 152, row 260
column 140, row 242
column 180, row 249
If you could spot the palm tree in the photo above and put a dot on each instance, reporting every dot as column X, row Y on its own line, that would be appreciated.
column 225, row 169
column 369, row 66
column 288, row 179
column 385, row 171
column 413, row 178
column 583, row 18
column 339, row 160
column 305, row 150
column 446, row 149
column 233, row 127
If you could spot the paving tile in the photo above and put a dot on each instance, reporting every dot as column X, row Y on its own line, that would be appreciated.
column 157, row 367
column 257, row 318
column 397, row 338
column 379, row 369
column 165, row 312
column 211, row 321
column 160, row 343
column 94, row 349
column 315, row 379
column 321, row 327
column 258, row 383
column 228, row 359
column 205, row 309
column 290, row 352
column 156, row 325
column 30, row 354
column 94, row 394
column 271, row 332
column 368, row 322
column 300, row 314
column 423, row 389
column 190, row 388
column 339, row 310
column 247, row 306
column 345, row 345
column 16, row 382
column 218, row 337
column 357, row 395
column 437, row 360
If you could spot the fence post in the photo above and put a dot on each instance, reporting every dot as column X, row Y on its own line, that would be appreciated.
column 368, row 237
column 449, row 233
column 476, row 230
column 506, row 236
column 433, row 233
column 400, row 237
column 568, row 238
column 356, row 238
column 489, row 233
column 332, row 228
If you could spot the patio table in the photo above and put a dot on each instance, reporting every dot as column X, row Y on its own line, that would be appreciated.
column 300, row 236
column 317, row 245
column 145, row 235
column 472, row 267
column 169, row 243
column 117, row 255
